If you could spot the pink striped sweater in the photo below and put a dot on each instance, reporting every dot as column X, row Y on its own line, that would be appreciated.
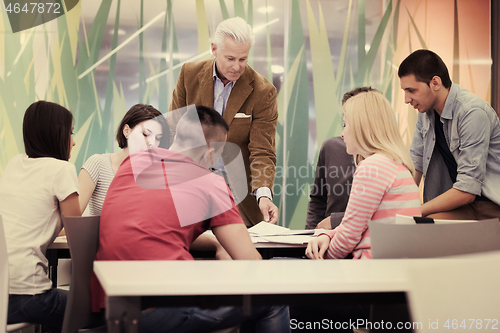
column 381, row 188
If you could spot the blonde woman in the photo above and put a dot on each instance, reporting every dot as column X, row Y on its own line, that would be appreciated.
column 383, row 184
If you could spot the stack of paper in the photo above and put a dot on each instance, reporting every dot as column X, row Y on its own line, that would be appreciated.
column 267, row 232
column 60, row 239
column 268, row 229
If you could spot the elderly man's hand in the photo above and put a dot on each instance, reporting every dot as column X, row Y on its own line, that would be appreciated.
column 268, row 209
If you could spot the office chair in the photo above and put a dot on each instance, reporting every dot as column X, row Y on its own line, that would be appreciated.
column 83, row 241
column 82, row 233
column 4, row 286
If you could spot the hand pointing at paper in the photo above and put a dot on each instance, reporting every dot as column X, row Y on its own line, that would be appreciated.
column 268, row 209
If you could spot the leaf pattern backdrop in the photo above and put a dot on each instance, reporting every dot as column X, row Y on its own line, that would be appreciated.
column 102, row 57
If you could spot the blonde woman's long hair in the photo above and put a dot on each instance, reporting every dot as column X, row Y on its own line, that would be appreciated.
column 373, row 125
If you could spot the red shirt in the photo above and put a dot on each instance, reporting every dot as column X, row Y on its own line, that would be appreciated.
column 158, row 203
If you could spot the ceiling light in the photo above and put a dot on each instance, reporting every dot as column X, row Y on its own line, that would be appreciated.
column 264, row 10
column 277, row 69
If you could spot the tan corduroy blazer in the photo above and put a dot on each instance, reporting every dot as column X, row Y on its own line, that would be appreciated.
column 252, row 95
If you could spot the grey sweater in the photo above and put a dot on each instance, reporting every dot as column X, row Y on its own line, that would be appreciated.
column 332, row 184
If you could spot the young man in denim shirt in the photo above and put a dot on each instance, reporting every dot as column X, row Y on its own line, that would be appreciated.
column 456, row 144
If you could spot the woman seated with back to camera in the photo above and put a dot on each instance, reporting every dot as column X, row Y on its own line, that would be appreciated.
column 383, row 184
column 36, row 188
column 382, row 187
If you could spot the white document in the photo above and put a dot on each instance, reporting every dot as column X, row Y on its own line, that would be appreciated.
column 290, row 239
column 265, row 232
column 268, row 229
column 61, row 239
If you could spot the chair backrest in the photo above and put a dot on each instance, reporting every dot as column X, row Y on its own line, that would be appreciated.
column 83, row 240
column 4, row 279
column 428, row 240
column 461, row 293
column 4, row 287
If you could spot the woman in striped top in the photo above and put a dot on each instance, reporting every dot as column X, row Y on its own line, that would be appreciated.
column 383, row 184
column 99, row 170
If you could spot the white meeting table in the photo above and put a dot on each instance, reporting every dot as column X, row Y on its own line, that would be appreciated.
column 59, row 249
column 133, row 285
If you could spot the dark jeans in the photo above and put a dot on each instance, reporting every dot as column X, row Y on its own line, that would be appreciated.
column 46, row 309
column 265, row 319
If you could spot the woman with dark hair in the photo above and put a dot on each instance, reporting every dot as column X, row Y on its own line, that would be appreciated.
column 99, row 170
column 36, row 188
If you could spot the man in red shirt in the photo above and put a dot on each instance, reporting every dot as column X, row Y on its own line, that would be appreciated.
column 161, row 200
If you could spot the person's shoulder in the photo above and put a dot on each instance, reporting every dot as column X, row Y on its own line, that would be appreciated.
column 376, row 166
column 14, row 163
column 96, row 161
column 335, row 150
column 334, row 142
column 63, row 164
column 203, row 176
column 51, row 165
column 97, row 158
column 378, row 160
column 49, row 161
column 197, row 65
column 459, row 92
column 377, row 157
column 467, row 100
column 260, row 82
column 18, row 158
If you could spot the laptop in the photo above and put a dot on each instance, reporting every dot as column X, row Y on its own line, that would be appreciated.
column 435, row 238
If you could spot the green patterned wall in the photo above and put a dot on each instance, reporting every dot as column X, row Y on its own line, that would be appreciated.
column 102, row 57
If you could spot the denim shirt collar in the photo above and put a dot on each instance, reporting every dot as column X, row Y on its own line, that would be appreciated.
column 449, row 104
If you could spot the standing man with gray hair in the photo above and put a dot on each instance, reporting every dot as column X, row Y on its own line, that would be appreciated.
column 247, row 101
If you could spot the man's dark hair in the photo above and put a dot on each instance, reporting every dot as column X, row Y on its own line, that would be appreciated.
column 136, row 115
column 355, row 92
column 212, row 125
column 47, row 130
column 211, row 118
column 425, row 64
